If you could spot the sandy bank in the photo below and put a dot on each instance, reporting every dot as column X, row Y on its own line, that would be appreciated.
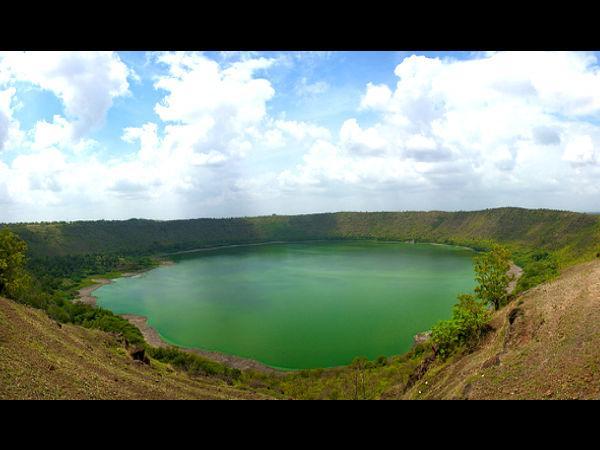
column 153, row 338
column 85, row 294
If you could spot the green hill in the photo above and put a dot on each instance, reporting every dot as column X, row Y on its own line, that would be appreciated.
column 542, row 241
column 574, row 234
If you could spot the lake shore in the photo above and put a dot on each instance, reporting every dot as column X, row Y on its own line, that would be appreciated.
column 237, row 362
column 152, row 337
column 84, row 295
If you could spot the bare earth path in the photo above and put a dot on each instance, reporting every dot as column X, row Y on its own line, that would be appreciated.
column 515, row 272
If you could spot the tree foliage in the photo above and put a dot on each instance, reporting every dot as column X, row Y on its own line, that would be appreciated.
column 491, row 269
column 17, row 284
column 469, row 320
column 13, row 276
column 193, row 364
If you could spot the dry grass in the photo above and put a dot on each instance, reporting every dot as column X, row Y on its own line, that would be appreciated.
column 41, row 360
column 546, row 345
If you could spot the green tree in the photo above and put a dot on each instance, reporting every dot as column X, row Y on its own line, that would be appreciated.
column 12, row 263
column 491, row 269
column 469, row 319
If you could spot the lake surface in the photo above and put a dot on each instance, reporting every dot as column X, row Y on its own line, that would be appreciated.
column 300, row 305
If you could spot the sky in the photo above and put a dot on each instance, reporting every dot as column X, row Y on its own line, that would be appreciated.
column 176, row 135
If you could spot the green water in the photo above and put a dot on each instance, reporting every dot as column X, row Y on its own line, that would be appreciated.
column 301, row 305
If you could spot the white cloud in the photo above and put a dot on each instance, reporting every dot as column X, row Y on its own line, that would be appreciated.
column 482, row 128
column 86, row 82
column 4, row 124
column 580, row 150
column 359, row 141
column 497, row 129
column 302, row 130
column 376, row 97
column 304, row 88
column 199, row 88
column 5, row 114
column 60, row 133
column 10, row 132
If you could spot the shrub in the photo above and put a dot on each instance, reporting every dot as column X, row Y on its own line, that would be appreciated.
column 57, row 313
column 381, row 361
column 469, row 321
column 193, row 364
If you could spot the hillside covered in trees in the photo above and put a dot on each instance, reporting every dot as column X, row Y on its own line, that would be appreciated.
column 541, row 241
column 573, row 234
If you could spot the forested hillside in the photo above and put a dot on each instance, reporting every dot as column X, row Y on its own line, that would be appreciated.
column 541, row 241
column 575, row 235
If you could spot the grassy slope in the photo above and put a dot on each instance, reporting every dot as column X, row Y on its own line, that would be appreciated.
column 40, row 360
column 550, row 350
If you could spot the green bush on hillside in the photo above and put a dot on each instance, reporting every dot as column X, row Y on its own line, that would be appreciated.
column 538, row 267
column 193, row 364
column 470, row 317
column 88, row 316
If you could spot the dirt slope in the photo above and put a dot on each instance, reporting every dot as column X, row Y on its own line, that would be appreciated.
column 546, row 344
column 40, row 360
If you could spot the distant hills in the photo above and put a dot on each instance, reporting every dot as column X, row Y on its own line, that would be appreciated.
column 574, row 236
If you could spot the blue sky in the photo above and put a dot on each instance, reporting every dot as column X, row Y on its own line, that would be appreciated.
column 90, row 135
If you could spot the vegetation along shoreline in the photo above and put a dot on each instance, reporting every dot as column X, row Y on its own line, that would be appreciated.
column 154, row 338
